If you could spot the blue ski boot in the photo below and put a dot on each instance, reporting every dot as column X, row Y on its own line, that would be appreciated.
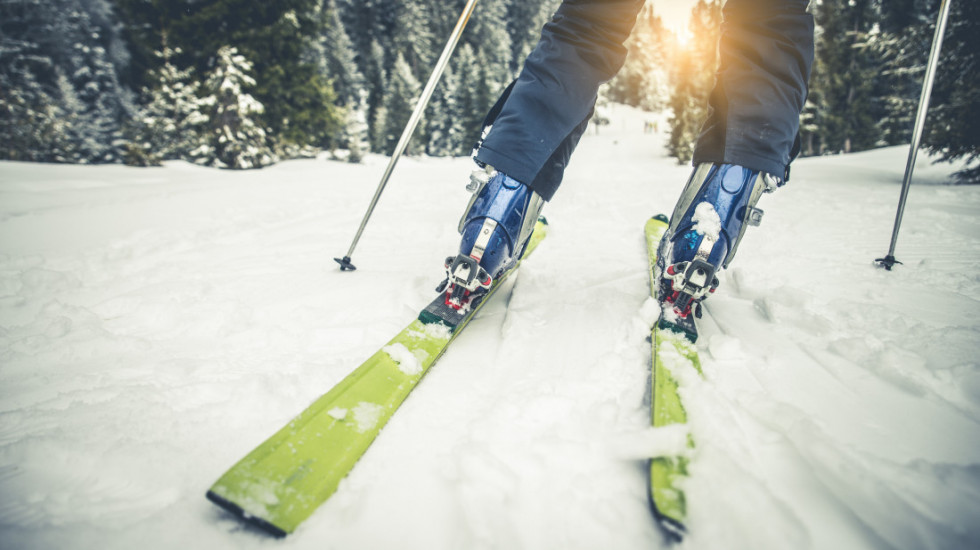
column 496, row 227
column 715, row 208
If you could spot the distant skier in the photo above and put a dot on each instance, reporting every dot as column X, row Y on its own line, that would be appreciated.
column 744, row 149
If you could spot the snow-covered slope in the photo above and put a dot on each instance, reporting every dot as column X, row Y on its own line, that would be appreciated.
column 157, row 324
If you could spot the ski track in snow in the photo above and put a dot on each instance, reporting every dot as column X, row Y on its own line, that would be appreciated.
column 157, row 324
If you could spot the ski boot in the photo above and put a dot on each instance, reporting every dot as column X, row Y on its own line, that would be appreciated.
column 496, row 227
column 715, row 208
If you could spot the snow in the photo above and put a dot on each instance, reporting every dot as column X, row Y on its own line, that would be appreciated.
column 706, row 221
column 367, row 415
column 406, row 360
column 157, row 324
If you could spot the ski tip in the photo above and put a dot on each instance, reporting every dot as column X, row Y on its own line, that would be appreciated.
column 672, row 527
column 345, row 264
column 543, row 220
column 673, row 530
column 237, row 510
column 662, row 218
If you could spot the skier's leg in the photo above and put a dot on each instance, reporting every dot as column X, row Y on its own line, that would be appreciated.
column 552, row 99
column 766, row 51
column 745, row 146
column 534, row 128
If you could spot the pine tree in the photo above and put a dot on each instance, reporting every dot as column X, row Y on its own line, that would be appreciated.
column 32, row 126
column 643, row 81
column 377, row 83
column 356, row 137
column 413, row 38
column 169, row 125
column 277, row 37
column 489, row 38
column 687, row 106
column 28, row 102
column 693, row 79
column 234, row 137
column 844, row 76
column 338, row 58
column 470, row 107
column 400, row 99
column 443, row 136
column 58, row 73
column 951, row 132
column 524, row 21
column 902, row 48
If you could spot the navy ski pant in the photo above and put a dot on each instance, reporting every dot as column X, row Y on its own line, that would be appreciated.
column 766, row 53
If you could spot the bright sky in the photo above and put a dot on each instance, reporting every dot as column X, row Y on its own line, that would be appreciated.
column 674, row 13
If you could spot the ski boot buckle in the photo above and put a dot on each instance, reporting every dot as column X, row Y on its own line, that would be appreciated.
column 464, row 279
column 690, row 282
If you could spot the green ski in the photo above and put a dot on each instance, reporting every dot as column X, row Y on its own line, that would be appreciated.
column 673, row 351
column 280, row 483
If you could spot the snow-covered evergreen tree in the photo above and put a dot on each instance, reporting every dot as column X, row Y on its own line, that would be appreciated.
column 694, row 69
column 443, row 134
column 377, row 83
column 488, row 36
column 356, row 135
column 170, row 123
column 470, row 99
column 280, row 40
column 953, row 132
column 400, row 100
column 844, row 76
column 338, row 58
column 417, row 29
column 32, row 126
column 233, row 136
column 644, row 80
column 55, row 71
column 413, row 37
column 524, row 21
column 908, row 27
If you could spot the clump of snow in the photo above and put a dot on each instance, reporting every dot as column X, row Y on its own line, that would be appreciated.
column 367, row 415
column 405, row 358
column 338, row 413
column 706, row 221
column 437, row 330
column 432, row 331
column 651, row 310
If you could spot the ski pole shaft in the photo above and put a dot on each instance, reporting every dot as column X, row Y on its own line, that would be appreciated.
column 920, row 118
column 413, row 121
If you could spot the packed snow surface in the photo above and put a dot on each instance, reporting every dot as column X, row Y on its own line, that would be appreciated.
column 157, row 324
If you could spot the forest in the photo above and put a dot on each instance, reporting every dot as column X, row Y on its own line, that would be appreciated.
column 242, row 84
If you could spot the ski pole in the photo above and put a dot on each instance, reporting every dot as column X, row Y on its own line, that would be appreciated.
column 889, row 261
column 413, row 121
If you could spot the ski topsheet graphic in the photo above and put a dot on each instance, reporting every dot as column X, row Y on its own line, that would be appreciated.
column 673, row 351
column 280, row 483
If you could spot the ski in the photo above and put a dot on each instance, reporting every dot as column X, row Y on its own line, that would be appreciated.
column 282, row 481
column 673, row 351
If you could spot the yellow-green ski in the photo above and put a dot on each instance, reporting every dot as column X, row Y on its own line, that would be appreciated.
column 280, row 483
column 673, row 351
